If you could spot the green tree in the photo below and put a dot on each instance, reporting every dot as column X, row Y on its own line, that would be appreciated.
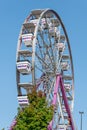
column 37, row 115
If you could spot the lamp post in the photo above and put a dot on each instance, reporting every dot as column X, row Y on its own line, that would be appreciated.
column 81, row 113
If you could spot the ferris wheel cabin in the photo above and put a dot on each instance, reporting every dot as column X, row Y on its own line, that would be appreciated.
column 24, row 67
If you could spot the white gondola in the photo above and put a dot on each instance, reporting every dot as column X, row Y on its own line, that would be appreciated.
column 50, row 24
column 64, row 66
column 27, row 39
column 51, row 28
column 60, row 46
column 69, row 127
column 61, row 127
column 55, row 22
column 57, row 32
column 52, row 31
column 24, row 67
column 63, row 108
column 67, row 86
column 34, row 21
column 23, row 100
column 43, row 23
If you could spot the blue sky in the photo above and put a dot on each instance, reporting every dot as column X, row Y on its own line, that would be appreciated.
column 12, row 14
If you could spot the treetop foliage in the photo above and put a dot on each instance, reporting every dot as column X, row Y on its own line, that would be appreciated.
column 37, row 115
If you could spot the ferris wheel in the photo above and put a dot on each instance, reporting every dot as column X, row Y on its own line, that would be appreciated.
column 44, row 60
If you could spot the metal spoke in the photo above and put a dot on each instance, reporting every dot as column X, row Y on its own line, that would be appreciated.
column 46, row 46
